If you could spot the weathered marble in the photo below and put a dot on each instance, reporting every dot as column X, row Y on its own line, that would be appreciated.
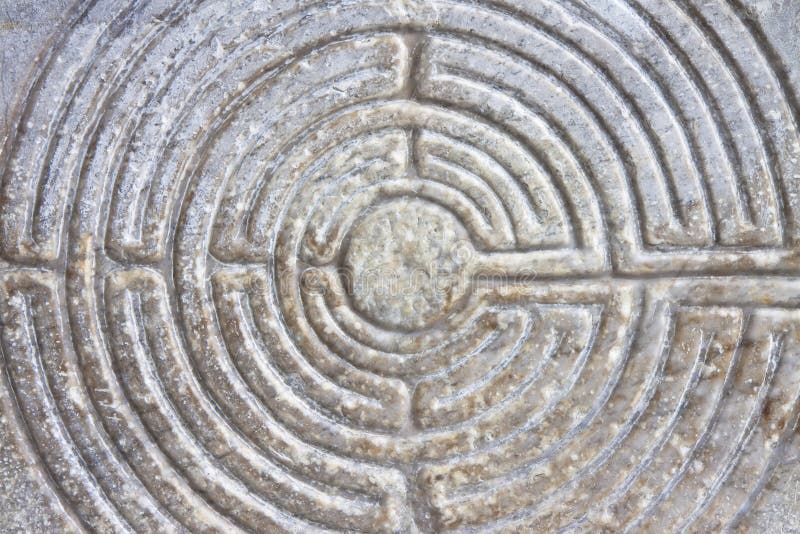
column 400, row 266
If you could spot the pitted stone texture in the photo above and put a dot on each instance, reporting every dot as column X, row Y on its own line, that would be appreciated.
column 401, row 267
column 403, row 264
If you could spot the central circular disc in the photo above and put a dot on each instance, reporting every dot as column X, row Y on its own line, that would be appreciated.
column 404, row 265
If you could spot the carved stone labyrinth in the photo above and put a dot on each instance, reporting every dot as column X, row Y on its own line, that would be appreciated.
column 404, row 266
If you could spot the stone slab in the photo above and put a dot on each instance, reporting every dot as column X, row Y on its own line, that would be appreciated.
column 400, row 266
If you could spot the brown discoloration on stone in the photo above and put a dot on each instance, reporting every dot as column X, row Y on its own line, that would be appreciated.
column 401, row 267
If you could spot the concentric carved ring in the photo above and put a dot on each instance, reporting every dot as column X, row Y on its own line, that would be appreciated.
column 405, row 266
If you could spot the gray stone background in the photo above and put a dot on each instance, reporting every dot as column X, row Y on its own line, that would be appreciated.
column 25, row 26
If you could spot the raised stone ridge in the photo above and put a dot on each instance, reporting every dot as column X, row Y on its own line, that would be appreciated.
column 405, row 266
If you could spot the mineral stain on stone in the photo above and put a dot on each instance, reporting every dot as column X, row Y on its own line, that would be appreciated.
column 416, row 266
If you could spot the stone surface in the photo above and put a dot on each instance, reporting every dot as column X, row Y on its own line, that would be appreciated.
column 400, row 266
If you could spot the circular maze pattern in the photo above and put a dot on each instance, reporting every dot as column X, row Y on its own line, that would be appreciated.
column 596, row 206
